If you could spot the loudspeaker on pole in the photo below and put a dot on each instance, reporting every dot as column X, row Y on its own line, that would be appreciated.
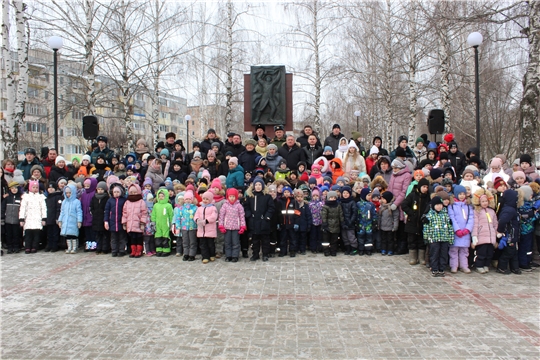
column 90, row 127
column 436, row 121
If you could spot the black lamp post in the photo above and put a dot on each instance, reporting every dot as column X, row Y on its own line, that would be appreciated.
column 475, row 39
column 357, row 114
column 188, row 118
column 55, row 43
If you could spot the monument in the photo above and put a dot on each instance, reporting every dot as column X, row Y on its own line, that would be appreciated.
column 267, row 98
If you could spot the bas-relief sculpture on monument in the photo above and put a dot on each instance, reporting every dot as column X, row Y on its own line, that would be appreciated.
column 268, row 95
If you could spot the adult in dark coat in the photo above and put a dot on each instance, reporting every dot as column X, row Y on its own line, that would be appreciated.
column 312, row 150
column 236, row 148
column 60, row 170
column 292, row 153
column 457, row 158
column 333, row 139
column 259, row 134
column 210, row 138
column 415, row 205
column 259, row 209
column 49, row 161
column 304, row 137
column 102, row 149
column 246, row 159
column 54, row 205
column 377, row 141
column 29, row 161
column 170, row 138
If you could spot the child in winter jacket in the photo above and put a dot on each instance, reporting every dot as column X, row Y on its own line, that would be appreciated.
column 366, row 218
column 439, row 234
column 54, row 204
column 183, row 220
column 461, row 215
column 32, row 216
column 388, row 222
column 162, row 216
column 484, row 233
column 206, row 218
column 508, row 233
column 304, row 221
column 150, row 227
column 332, row 218
column 10, row 213
column 97, row 208
column 71, row 217
column 134, row 218
column 350, row 215
column 315, row 206
column 112, row 221
column 528, row 216
column 415, row 205
column 232, row 223
column 90, row 185
column 288, row 223
column 259, row 209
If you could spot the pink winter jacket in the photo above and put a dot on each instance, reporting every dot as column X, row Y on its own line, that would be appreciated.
column 134, row 213
column 483, row 229
column 232, row 216
column 398, row 186
column 210, row 214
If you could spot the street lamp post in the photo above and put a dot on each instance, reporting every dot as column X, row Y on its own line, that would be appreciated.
column 55, row 43
column 475, row 39
column 188, row 118
column 357, row 114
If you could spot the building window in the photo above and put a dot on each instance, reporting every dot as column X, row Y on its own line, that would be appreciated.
column 138, row 126
column 36, row 127
column 174, row 129
column 163, row 128
column 33, row 92
column 75, row 149
column 61, row 133
column 77, row 115
column 35, row 109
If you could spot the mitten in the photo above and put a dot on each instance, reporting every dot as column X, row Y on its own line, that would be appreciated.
column 502, row 243
column 474, row 240
column 393, row 207
column 325, row 227
column 459, row 233
column 222, row 229
column 466, row 232
column 296, row 227
column 242, row 230
column 425, row 219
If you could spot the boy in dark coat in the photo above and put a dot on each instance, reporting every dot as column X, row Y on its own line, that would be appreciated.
column 289, row 223
column 350, row 214
column 259, row 209
column 508, row 233
column 97, row 208
column 415, row 205
column 332, row 217
column 305, row 221
column 10, row 214
column 54, row 205
column 366, row 218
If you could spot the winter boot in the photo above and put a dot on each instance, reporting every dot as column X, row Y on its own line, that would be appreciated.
column 87, row 246
column 354, row 251
column 69, row 246
column 413, row 257
column 422, row 256
column 133, row 251
column 139, row 251
column 74, row 246
column 347, row 250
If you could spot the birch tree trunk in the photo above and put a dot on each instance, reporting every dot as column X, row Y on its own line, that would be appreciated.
column 9, row 125
column 444, row 66
column 315, row 34
column 530, row 126
column 413, row 65
column 388, row 79
column 156, row 77
column 89, row 55
column 229, row 69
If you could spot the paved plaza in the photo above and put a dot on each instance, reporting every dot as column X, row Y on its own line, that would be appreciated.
column 87, row 306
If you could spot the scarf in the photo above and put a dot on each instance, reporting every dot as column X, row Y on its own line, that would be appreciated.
column 134, row 198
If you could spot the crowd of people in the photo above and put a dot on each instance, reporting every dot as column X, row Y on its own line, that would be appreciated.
column 279, row 196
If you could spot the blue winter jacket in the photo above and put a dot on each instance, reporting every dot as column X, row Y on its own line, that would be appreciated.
column 350, row 214
column 462, row 216
column 305, row 219
column 508, row 216
column 235, row 178
column 367, row 216
column 113, row 213
column 71, row 213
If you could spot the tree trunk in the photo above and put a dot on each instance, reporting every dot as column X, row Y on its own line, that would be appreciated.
column 9, row 125
column 530, row 126
column 229, row 82
column 444, row 65
column 318, row 84
column 155, row 92
column 90, row 63
column 388, row 79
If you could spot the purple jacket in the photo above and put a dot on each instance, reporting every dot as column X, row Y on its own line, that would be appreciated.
column 462, row 216
column 86, row 199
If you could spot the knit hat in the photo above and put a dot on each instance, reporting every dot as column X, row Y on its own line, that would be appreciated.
column 272, row 187
column 467, row 171
column 327, row 179
column 208, row 195
column 13, row 184
column 211, row 153
column 435, row 173
column 375, row 193
column 498, row 182
column 331, row 194
column 258, row 180
column 446, row 181
column 233, row 160
column 443, row 156
column 388, row 196
column 364, row 193
column 233, row 192
column 527, row 192
column 400, row 152
column 458, row 189
column 287, row 188
column 336, row 126
column 206, row 174
column 147, row 181
column 216, row 184
column 423, row 182
column 517, row 162
column 495, row 162
column 86, row 157
column 312, row 180
column 102, row 185
column 272, row 146
column 525, row 158
column 189, row 195
column 324, row 188
column 164, row 152
column 397, row 163
column 452, row 144
column 401, row 138
column 418, row 172
column 316, row 190
column 374, row 150
column 436, row 200
column 144, row 157
column 419, row 140
column 215, row 143
column 518, row 174
column 58, row 159
column 328, row 148
column 335, row 188
column 443, row 195
column 222, row 179
column 197, row 154
column 250, row 142
column 340, row 178
column 346, row 188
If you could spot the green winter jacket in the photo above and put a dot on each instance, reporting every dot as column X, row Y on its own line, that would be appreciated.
column 332, row 216
column 162, row 215
column 439, row 228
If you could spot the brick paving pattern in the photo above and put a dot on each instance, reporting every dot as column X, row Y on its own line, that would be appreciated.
column 87, row 306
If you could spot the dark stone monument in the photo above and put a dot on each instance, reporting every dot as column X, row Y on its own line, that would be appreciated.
column 267, row 98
